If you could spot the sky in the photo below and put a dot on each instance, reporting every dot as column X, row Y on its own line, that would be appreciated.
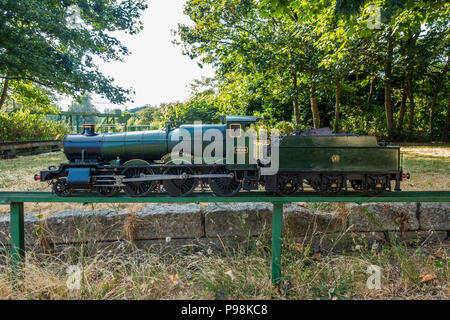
column 156, row 69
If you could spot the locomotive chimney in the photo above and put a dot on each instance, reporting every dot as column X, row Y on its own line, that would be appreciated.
column 89, row 129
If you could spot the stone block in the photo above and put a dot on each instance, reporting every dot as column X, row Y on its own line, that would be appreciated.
column 237, row 219
column 434, row 215
column 383, row 217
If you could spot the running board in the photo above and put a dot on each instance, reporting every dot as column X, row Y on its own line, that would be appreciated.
column 156, row 177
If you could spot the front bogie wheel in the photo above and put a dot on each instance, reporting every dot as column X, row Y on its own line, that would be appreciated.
column 61, row 187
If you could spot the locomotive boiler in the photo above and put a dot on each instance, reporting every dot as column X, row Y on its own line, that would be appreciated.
column 145, row 162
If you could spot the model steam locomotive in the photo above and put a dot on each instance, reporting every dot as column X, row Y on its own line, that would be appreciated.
column 141, row 163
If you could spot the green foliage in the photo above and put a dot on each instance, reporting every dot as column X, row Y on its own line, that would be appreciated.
column 84, row 104
column 54, row 43
column 320, row 56
column 25, row 95
column 24, row 126
column 200, row 107
column 285, row 127
column 150, row 115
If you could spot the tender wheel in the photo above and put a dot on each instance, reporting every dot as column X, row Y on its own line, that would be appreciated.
column 328, row 185
column 287, row 185
column 377, row 184
column 61, row 188
column 179, row 187
column 315, row 185
column 357, row 185
column 333, row 185
column 138, row 188
column 224, row 187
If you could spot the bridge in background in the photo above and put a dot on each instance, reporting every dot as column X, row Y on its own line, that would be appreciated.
column 109, row 122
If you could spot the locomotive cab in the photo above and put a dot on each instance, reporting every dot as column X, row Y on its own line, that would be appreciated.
column 241, row 149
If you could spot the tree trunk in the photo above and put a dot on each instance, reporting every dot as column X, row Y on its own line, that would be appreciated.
column 371, row 90
column 447, row 122
column 387, row 88
column 411, row 43
column 4, row 93
column 410, row 95
column 401, row 114
column 295, row 100
column 435, row 95
column 314, row 106
column 336, row 107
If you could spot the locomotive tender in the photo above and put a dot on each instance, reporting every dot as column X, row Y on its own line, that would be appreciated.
column 141, row 163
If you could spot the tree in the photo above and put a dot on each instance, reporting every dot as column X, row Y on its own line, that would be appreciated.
column 84, row 104
column 150, row 115
column 447, row 122
column 200, row 107
column 25, row 95
column 327, row 61
column 440, row 80
column 40, row 45
column 404, row 29
column 250, row 47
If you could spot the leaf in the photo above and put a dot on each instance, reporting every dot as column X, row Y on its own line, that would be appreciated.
column 229, row 273
column 175, row 279
column 316, row 256
column 439, row 254
column 427, row 277
column 299, row 247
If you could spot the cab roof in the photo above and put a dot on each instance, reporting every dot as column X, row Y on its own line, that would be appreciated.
column 242, row 119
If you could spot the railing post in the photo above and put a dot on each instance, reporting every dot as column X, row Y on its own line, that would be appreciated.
column 16, row 225
column 277, row 225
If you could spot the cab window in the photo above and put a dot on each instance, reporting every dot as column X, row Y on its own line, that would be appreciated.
column 235, row 130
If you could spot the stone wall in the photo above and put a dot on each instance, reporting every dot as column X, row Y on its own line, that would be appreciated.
column 321, row 226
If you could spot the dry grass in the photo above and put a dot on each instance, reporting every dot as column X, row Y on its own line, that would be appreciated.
column 132, row 222
column 429, row 167
column 205, row 274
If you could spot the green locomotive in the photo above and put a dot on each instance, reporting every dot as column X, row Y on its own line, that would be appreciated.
column 225, row 158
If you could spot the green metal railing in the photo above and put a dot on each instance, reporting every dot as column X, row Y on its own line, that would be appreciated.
column 17, row 199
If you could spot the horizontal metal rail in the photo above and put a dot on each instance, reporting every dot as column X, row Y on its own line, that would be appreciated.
column 252, row 196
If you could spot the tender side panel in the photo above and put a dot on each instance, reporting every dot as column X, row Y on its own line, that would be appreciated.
column 347, row 159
